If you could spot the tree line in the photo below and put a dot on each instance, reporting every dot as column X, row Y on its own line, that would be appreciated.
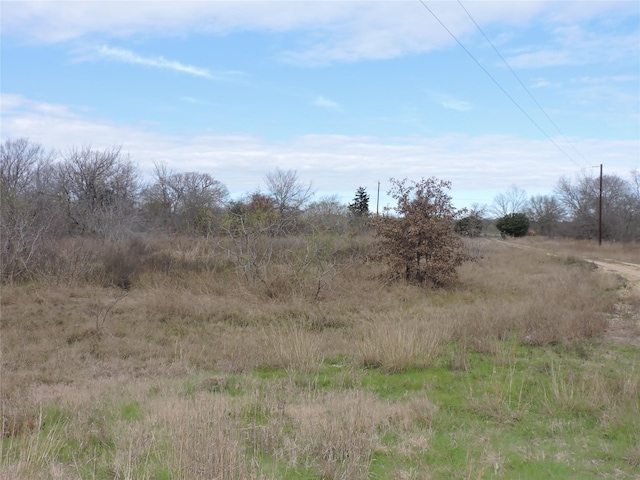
column 573, row 209
column 47, row 195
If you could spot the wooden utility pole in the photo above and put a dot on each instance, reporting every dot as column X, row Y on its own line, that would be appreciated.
column 600, row 211
column 378, row 201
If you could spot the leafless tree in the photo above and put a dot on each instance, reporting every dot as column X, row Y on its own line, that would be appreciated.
column 289, row 195
column 25, row 200
column 545, row 211
column 98, row 191
column 288, row 192
column 635, row 184
column 478, row 210
column 513, row 200
column 185, row 201
column 620, row 205
column 328, row 214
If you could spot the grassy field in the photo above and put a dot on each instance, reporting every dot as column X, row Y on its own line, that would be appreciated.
column 616, row 251
column 291, row 359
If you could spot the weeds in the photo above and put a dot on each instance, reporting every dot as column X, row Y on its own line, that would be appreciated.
column 101, row 312
column 204, row 375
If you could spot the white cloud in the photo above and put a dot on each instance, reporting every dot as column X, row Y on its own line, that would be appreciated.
column 325, row 103
column 197, row 101
column 450, row 102
column 575, row 46
column 335, row 163
column 459, row 105
column 127, row 56
column 329, row 31
column 609, row 79
column 541, row 83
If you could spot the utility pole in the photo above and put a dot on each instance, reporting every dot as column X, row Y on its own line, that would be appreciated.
column 378, row 201
column 600, row 211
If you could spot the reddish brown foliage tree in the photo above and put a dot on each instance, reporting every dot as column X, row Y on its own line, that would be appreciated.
column 418, row 243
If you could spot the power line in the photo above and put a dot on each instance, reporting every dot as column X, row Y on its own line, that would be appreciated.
column 520, row 81
column 498, row 84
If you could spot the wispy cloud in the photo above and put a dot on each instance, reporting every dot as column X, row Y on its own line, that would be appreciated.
column 196, row 101
column 128, row 56
column 541, row 83
column 459, row 105
column 609, row 79
column 325, row 103
column 577, row 46
column 241, row 161
column 334, row 31
column 450, row 102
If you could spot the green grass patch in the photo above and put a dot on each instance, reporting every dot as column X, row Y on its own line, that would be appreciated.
column 519, row 412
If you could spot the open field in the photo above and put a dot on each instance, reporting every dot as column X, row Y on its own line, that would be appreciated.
column 608, row 251
column 293, row 360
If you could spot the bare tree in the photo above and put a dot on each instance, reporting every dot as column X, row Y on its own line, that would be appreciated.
column 635, row 185
column 185, row 201
column 158, row 199
column 545, row 212
column 25, row 200
column 288, row 192
column 478, row 210
column 289, row 195
column 98, row 191
column 328, row 214
column 620, row 205
column 513, row 200
column 19, row 163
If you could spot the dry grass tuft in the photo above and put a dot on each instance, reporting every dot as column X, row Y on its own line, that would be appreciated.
column 401, row 343
column 152, row 378
column 619, row 251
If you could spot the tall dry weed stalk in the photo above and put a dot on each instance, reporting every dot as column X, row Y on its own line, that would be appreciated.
column 188, row 314
column 396, row 346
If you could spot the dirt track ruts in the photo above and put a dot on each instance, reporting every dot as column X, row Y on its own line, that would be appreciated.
column 624, row 322
column 629, row 271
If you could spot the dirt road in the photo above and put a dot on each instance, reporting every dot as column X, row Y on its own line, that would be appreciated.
column 624, row 321
column 628, row 271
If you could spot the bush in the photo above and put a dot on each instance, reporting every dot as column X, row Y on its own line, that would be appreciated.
column 419, row 244
column 470, row 226
column 513, row 224
column 122, row 261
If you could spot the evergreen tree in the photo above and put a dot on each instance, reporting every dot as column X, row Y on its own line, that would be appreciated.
column 513, row 224
column 360, row 205
column 470, row 226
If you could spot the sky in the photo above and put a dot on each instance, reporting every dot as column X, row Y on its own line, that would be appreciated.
column 486, row 95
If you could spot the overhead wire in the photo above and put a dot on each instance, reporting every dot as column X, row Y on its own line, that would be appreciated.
column 520, row 81
column 498, row 84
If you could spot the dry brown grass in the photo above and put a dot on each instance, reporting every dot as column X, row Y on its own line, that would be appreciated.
column 205, row 435
column 618, row 251
column 174, row 323
column 72, row 342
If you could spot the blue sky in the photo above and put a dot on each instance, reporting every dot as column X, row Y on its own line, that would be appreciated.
column 347, row 93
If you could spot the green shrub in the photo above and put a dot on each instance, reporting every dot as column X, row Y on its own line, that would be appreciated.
column 470, row 226
column 513, row 224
